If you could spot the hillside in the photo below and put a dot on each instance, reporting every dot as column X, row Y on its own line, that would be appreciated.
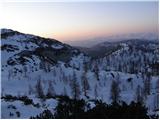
column 133, row 56
column 44, row 69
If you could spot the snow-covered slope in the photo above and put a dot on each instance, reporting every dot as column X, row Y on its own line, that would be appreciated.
column 28, row 60
column 20, row 49
column 133, row 56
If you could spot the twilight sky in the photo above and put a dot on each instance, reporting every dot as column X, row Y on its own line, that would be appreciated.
column 80, row 20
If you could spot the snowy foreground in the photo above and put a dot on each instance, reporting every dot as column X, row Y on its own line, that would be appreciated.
column 22, row 87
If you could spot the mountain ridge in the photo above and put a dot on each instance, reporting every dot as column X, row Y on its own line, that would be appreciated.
column 31, row 69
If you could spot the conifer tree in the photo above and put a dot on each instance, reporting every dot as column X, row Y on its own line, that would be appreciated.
column 75, row 87
column 51, row 91
column 115, row 91
column 39, row 89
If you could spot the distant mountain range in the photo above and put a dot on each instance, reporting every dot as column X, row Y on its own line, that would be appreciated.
column 104, row 48
column 93, row 41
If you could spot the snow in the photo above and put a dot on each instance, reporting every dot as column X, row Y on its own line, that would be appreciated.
column 127, row 94
column 57, row 46
column 61, row 74
column 21, row 84
column 25, row 111
column 5, row 31
column 124, row 48
column 91, row 104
